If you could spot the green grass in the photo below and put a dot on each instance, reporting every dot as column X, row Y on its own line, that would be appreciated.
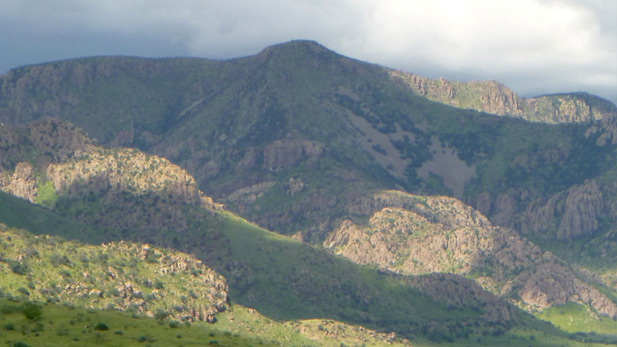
column 61, row 325
column 47, row 195
column 579, row 318
column 19, row 213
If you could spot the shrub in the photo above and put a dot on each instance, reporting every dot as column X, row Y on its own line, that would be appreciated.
column 19, row 268
column 57, row 259
column 62, row 331
column 159, row 284
column 32, row 310
column 9, row 308
column 101, row 326
column 161, row 314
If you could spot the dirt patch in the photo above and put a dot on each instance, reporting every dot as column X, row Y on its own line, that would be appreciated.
column 447, row 165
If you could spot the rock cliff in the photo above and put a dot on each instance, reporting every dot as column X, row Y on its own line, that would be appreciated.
column 70, row 167
column 419, row 235
column 567, row 215
column 493, row 97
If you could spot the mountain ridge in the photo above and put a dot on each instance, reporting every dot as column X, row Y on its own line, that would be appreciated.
column 494, row 97
column 299, row 140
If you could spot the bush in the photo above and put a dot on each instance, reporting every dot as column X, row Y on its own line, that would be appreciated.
column 32, row 310
column 9, row 308
column 159, row 284
column 19, row 268
column 101, row 326
column 161, row 314
column 20, row 344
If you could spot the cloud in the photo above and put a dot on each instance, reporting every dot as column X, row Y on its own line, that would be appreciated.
column 533, row 46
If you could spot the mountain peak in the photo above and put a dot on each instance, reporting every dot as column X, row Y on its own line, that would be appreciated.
column 297, row 47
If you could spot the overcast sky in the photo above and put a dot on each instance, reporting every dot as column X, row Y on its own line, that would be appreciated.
column 532, row 46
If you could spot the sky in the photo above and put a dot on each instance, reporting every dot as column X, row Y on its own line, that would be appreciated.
column 532, row 46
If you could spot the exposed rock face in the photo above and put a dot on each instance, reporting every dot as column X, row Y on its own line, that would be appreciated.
column 462, row 292
column 124, row 170
column 583, row 207
column 121, row 274
column 421, row 235
column 568, row 214
column 22, row 183
column 551, row 284
column 77, row 169
column 283, row 154
column 607, row 130
column 494, row 97
column 47, row 140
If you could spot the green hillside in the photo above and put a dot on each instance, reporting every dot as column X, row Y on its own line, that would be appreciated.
column 290, row 137
column 287, row 280
column 307, row 143
column 66, row 322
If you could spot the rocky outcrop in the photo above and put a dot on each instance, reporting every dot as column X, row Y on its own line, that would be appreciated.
column 567, row 214
column 340, row 333
column 421, row 235
column 123, row 170
column 582, row 209
column 554, row 284
column 119, row 275
column 457, row 291
column 45, row 141
column 22, row 183
column 283, row 154
column 132, row 190
column 493, row 97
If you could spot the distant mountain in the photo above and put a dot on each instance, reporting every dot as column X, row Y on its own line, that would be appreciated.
column 306, row 142
column 493, row 97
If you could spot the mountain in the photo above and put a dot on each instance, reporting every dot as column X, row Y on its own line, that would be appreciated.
column 112, row 194
column 335, row 152
column 125, row 194
column 493, row 97
column 289, row 137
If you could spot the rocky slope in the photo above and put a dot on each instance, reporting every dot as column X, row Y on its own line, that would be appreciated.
column 493, row 97
column 120, row 275
column 141, row 197
column 288, row 137
column 411, row 234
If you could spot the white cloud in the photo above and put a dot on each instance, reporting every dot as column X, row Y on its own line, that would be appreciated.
column 533, row 46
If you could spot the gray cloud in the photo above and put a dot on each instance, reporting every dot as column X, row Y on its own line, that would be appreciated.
column 532, row 46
